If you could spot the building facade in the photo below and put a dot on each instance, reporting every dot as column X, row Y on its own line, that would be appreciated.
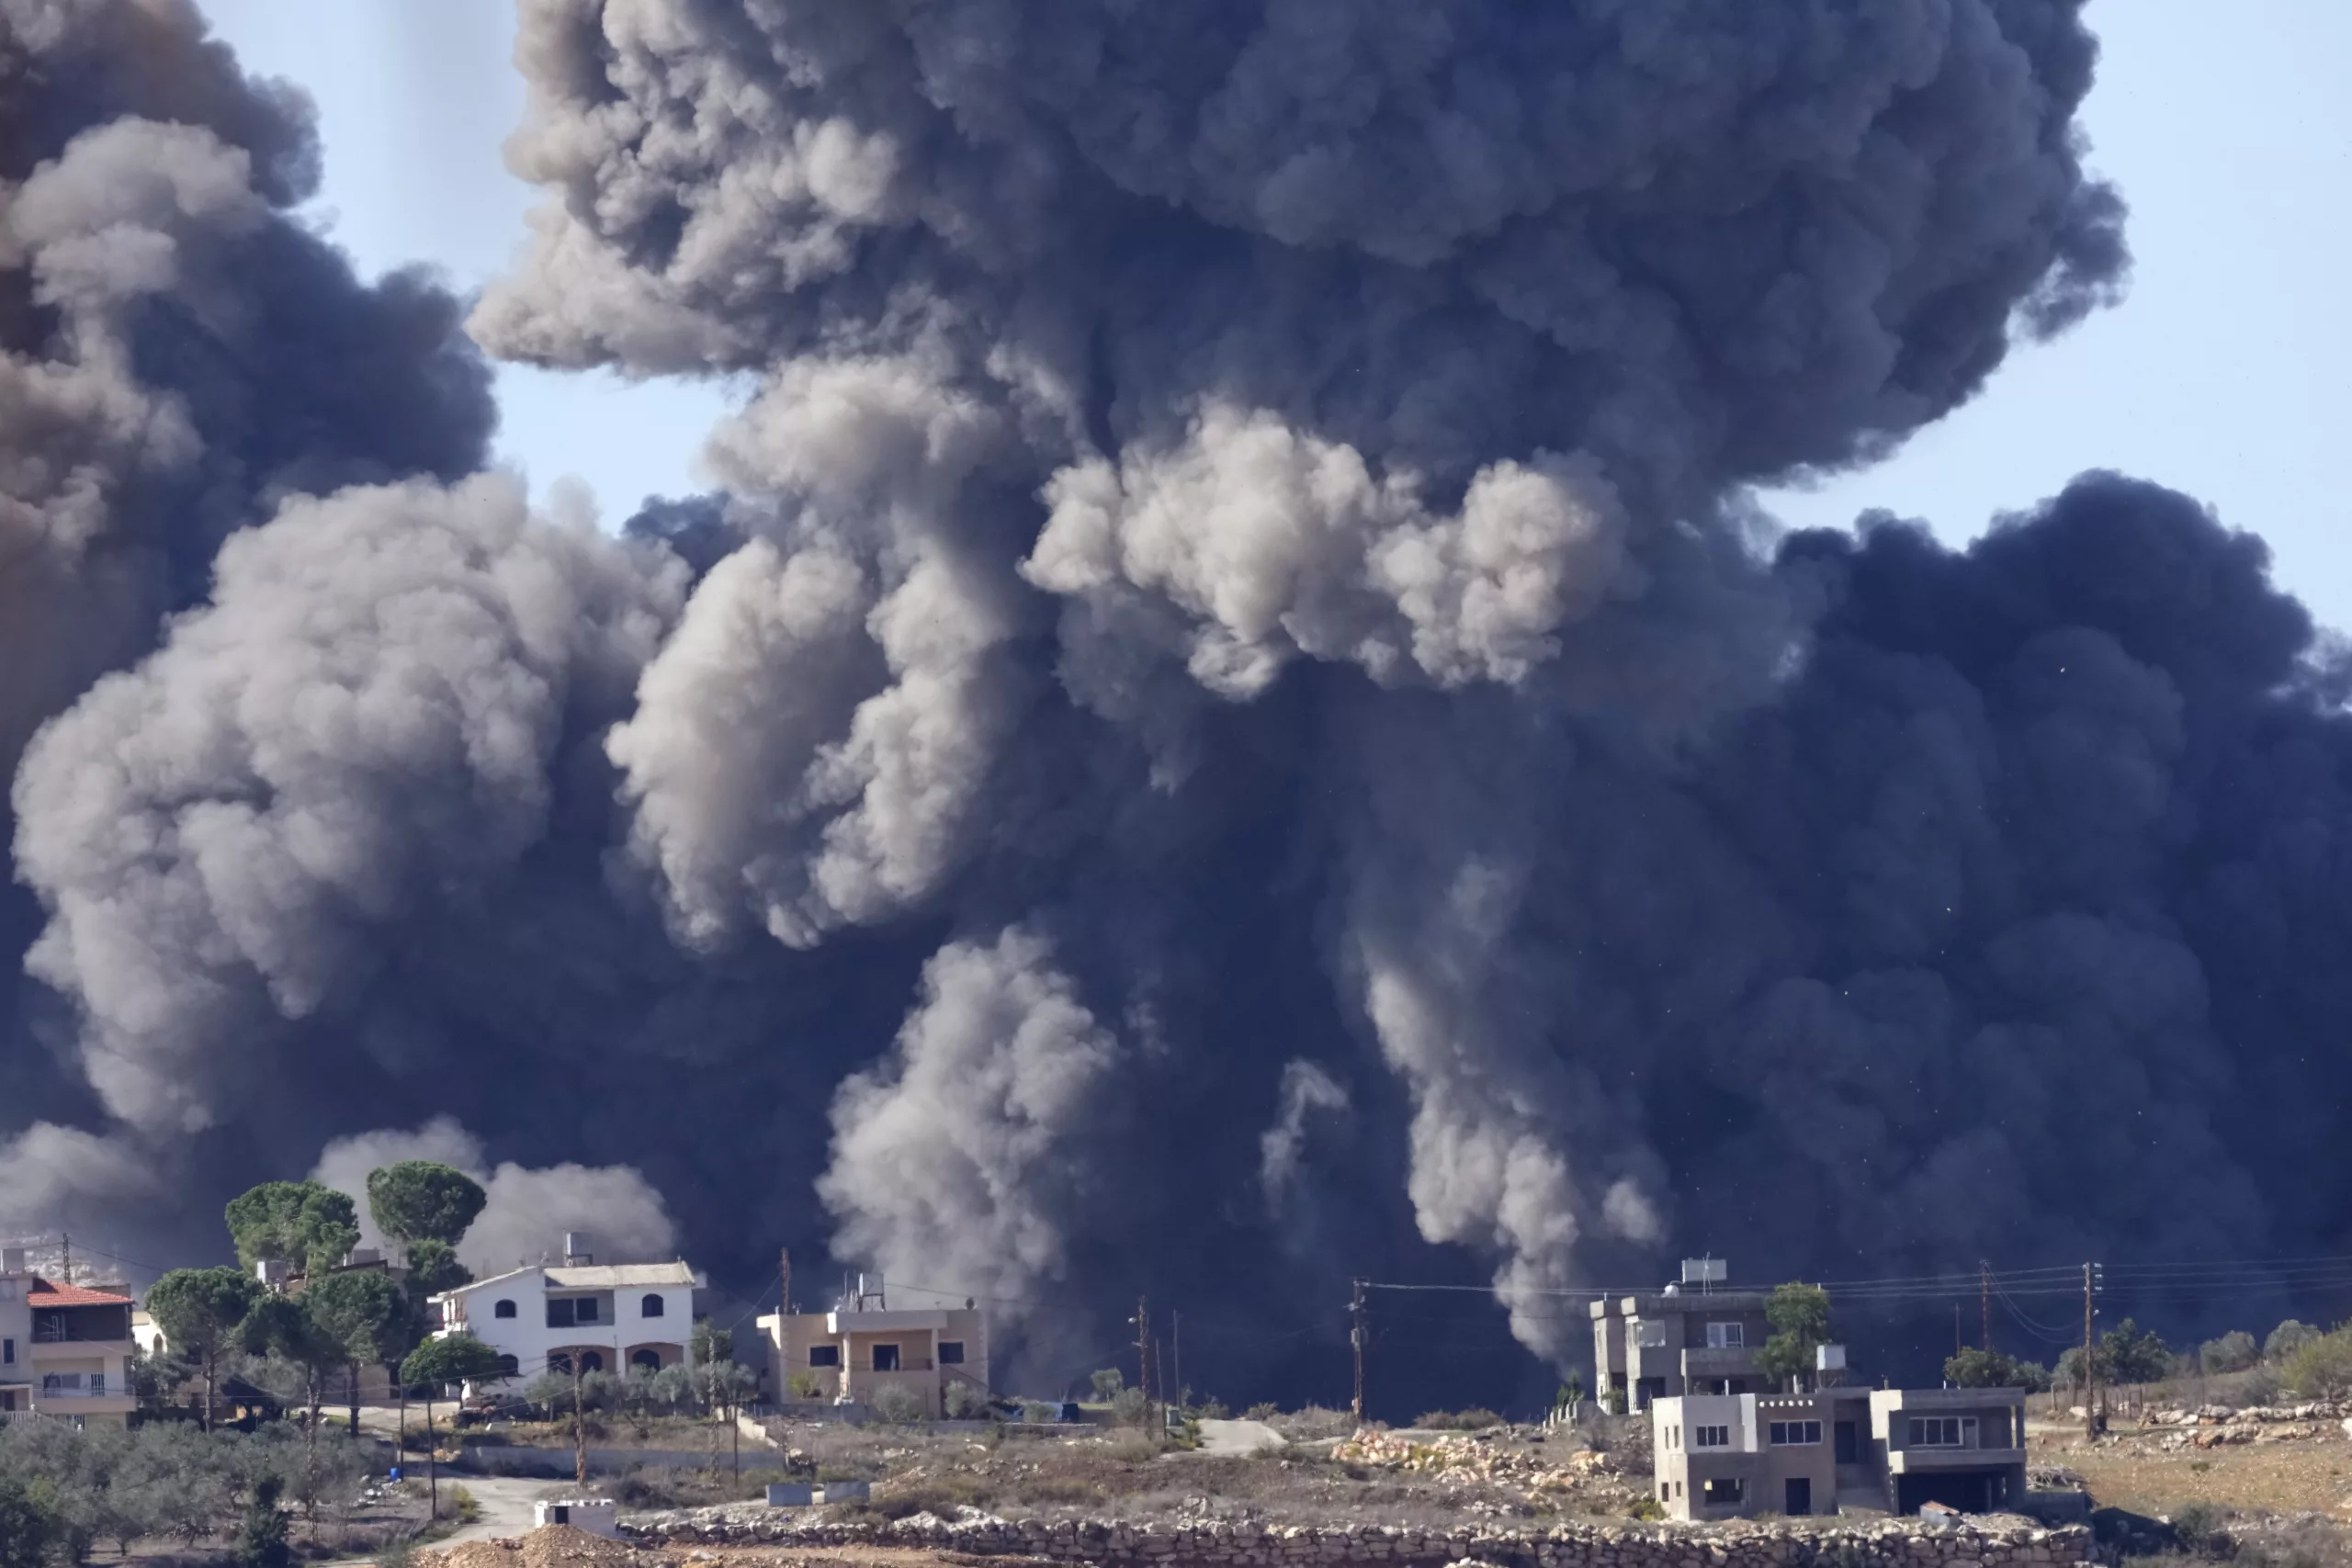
column 1888, row 1450
column 1676, row 1342
column 15, row 1335
column 850, row 1355
column 65, row 1350
column 602, row 1317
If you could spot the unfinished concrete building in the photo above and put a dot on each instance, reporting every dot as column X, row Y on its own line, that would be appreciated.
column 1691, row 1337
column 1889, row 1451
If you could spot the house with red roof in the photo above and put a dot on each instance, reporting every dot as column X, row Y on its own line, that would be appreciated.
column 65, row 1350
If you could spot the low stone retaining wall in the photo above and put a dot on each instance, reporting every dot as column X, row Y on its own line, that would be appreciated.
column 1907, row 1544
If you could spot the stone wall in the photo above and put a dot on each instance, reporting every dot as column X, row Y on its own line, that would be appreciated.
column 1887, row 1544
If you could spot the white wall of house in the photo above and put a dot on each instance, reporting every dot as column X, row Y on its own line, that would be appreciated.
column 612, row 1317
column 16, row 1342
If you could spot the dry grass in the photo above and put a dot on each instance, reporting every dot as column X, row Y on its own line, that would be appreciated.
column 1098, row 1471
column 2304, row 1475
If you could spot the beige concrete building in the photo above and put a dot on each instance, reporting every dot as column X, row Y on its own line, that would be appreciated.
column 1731, row 1456
column 849, row 1355
column 65, row 1350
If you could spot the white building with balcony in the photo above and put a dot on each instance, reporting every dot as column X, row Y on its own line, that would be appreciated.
column 612, row 1317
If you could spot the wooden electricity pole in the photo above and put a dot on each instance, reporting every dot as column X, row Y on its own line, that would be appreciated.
column 1143, row 1355
column 1984, row 1299
column 2090, row 1378
column 1356, row 1338
column 578, row 1423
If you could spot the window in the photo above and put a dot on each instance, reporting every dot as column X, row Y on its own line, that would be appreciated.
column 504, row 1309
column 1711, row 1437
column 7, row 1352
column 824, row 1355
column 885, row 1357
column 591, row 1362
column 565, row 1312
column 509, row 1366
column 649, row 1307
column 951, row 1352
column 1795, row 1433
column 1727, row 1489
column 1665, row 1493
column 587, row 1309
column 1726, row 1337
column 1943, row 1431
column 648, row 1359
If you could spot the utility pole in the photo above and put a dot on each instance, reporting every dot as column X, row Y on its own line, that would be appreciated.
column 1143, row 1355
column 1356, row 1338
column 781, row 1360
column 1959, row 1346
column 65, row 1264
column 2090, row 1404
column 1176, row 1352
column 579, row 1424
column 1984, row 1299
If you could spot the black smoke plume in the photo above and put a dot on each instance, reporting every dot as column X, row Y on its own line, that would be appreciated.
column 1231, row 726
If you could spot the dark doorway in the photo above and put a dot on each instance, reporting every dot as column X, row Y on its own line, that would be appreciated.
column 1969, row 1491
column 885, row 1357
column 1800, row 1496
column 1849, row 1445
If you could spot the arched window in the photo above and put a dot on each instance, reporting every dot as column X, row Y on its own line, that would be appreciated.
column 590, row 1361
column 650, row 1359
column 509, row 1366
column 652, row 1307
column 504, row 1309
column 559, row 1363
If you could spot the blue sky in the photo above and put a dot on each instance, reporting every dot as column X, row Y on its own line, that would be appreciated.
column 2224, row 374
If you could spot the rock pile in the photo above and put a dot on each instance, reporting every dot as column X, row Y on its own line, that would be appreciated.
column 1466, row 1460
column 1112, row 1544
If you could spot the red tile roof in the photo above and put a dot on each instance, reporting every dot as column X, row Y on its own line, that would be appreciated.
column 44, row 1294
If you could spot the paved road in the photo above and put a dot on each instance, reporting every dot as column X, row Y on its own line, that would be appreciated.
column 1239, row 1438
column 505, row 1506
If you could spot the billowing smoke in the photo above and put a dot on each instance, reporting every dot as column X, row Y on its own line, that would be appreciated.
column 1232, row 724
column 958, row 1157
column 526, row 1214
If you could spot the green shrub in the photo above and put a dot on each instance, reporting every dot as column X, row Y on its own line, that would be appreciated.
column 2286, row 1338
column 964, row 1403
column 1039, row 1410
column 261, row 1539
column 1262, row 1412
column 2322, row 1367
column 29, row 1523
column 899, row 1406
column 464, row 1507
column 1477, row 1418
column 1646, row 1507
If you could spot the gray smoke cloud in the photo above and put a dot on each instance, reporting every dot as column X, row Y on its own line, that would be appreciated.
column 356, row 732
column 959, row 1158
column 1232, row 630
column 1308, row 1090
column 1343, row 334
column 177, row 353
column 525, row 1213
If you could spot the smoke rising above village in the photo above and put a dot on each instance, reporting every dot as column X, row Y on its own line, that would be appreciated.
column 1230, row 722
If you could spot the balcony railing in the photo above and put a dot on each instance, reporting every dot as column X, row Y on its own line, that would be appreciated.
column 904, row 1364
column 56, row 1334
column 99, row 1391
